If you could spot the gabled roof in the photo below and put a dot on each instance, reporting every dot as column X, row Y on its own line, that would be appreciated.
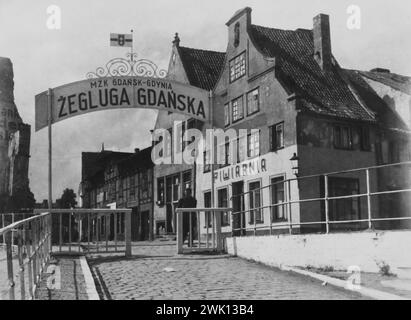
column 393, row 80
column 202, row 67
column 325, row 93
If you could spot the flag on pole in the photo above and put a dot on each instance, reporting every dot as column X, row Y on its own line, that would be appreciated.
column 121, row 40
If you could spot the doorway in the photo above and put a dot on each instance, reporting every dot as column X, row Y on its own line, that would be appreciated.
column 145, row 225
column 238, row 206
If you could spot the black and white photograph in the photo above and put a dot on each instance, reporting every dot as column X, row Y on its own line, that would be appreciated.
column 207, row 155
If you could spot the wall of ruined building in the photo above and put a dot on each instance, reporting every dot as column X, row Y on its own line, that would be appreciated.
column 395, row 99
column 9, row 120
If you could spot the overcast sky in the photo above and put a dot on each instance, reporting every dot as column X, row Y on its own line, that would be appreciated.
column 46, row 58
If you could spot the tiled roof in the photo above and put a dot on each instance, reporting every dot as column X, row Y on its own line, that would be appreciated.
column 202, row 67
column 395, row 81
column 95, row 162
column 325, row 93
column 137, row 161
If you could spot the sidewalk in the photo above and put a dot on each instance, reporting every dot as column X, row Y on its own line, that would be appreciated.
column 63, row 280
column 385, row 286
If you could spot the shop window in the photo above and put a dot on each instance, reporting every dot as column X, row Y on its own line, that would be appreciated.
column 342, row 137
column 160, row 190
column 344, row 209
column 253, row 144
column 237, row 109
column 255, row 202
column 277, row 197
column 253, row 102
column 207, row 204
column 277, row 136
column 223, row 203
column 237, row 67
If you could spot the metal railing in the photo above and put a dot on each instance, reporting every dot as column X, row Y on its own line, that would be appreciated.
column 33, row 248
column 326, row 199
column 59, row 231
column 190, row 225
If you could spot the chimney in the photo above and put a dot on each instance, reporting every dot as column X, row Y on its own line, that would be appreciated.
column 176, row 41
column 322, row 41
column 136, row 150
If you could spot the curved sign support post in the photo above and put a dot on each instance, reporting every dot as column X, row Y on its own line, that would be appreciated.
column 106, row 93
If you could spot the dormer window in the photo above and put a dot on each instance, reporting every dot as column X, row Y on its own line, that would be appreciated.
column 237, row 67
column 237, row 34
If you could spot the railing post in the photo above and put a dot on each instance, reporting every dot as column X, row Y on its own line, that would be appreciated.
column 367, row 172
column 218, row 230
column 198, row 228
column 2, row 225
column 127, row 231
column 21, row 263
column 190, row 231
column 179, row 232
column 290, row 226
column 9, row 257
column 327, row 226
column 26, row 237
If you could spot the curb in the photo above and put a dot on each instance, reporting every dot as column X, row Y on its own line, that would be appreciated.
column 367, row 292
column 90, row 285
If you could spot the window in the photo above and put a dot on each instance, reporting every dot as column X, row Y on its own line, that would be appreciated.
column 342, row 137
column 223, row 203
column 365, row 139
column 242, row 148
column 207, row 160
column 227, row 114
column 393, row 152
column 237, row 34
column 253, row 144
column 120, row 188
column 344, row 209
column 207, row 204
column 253, row 102
column 132, row 181
column 168, row 143
column 237, row 67
column 176, row 188
column 277, row 136
column 237, row 109
column 255, row 202
column 187, row 180
column 144, row 187
column 160, row 190
column 277, row 197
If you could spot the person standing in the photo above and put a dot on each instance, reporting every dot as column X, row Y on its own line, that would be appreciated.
column 188, row 201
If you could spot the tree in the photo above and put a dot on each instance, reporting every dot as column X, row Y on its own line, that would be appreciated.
column 67, row 200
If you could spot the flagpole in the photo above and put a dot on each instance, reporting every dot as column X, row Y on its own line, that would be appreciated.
column 50, row 170
column 132, row 44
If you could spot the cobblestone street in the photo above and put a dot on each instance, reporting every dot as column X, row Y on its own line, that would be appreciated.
column 156, row 272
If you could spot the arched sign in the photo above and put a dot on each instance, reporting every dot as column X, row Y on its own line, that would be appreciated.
column 98, row 94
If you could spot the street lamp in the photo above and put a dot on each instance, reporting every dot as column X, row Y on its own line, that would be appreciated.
column 294, row 163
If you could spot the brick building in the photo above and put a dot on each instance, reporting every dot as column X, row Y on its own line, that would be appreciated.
column 287, row 86
column 120, row 180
